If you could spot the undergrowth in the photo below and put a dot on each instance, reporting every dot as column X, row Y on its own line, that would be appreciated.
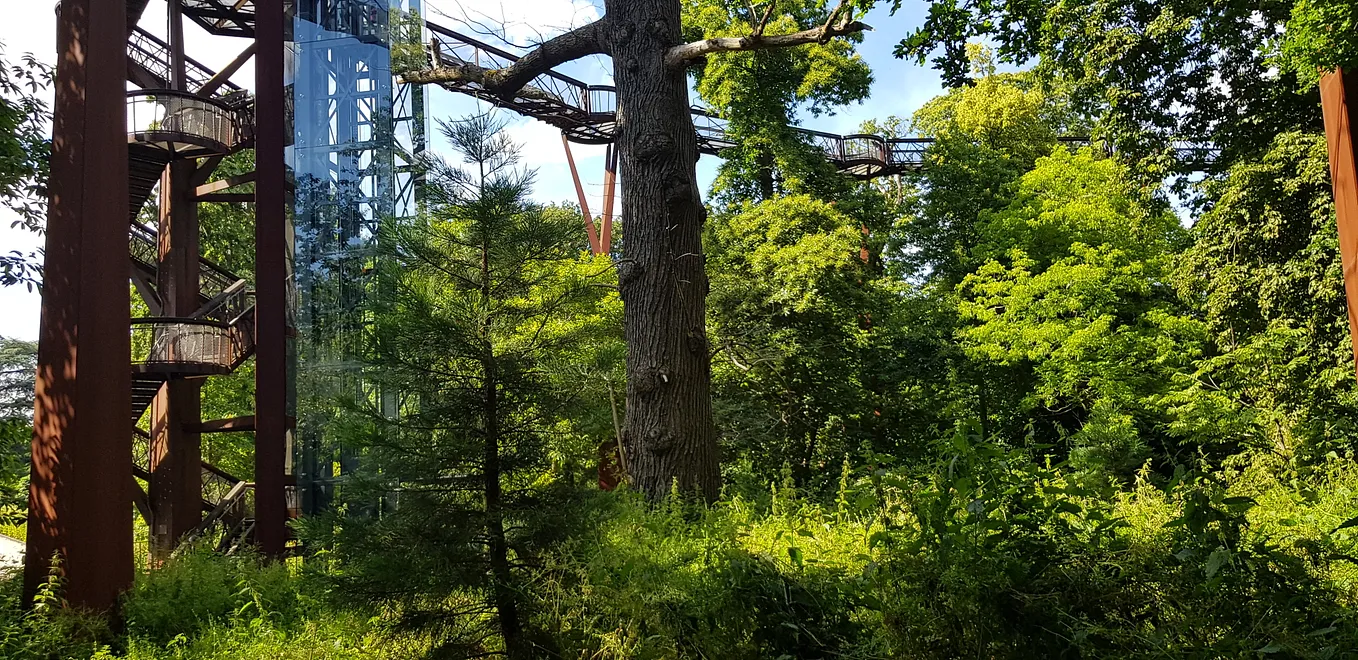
column 990, row 558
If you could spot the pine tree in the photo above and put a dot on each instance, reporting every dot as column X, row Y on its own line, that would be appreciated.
column 486, row 296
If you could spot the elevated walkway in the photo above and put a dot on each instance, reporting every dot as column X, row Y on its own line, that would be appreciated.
column 587, row 114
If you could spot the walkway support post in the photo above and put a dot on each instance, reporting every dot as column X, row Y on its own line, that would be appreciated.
column 595, row 248
column 176, row 484
column 80, row 491
column 1339, row 101
column 271, row 377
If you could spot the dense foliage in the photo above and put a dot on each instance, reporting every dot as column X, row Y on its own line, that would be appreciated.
column 18, row 362
column 24, row 150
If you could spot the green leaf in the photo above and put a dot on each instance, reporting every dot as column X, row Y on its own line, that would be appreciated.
column 864, row 502
column 1066, row 506
column 1216, row 560
column 795, row 554
column 1351, row 522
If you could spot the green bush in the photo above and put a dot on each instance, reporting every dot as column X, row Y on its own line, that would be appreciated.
column 737, row 580
column 985, row 555
column 198, row 589
column 47, row 631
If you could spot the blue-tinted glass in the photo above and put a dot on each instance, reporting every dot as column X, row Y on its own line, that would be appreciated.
column 356, row 134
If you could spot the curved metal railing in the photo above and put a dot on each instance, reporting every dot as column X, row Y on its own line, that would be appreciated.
column 182, row 124
column 601, row 101
column 182, row 346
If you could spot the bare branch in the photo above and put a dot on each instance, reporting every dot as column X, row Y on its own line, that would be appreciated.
column 511, row 80
column 764, row 22
column 680, row 55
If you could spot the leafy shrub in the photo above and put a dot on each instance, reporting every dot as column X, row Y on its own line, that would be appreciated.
column 199, row 588
column 46, row 631
column 989, row 553
column 731, row 581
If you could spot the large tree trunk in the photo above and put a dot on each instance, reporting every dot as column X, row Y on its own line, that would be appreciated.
column 668, row 435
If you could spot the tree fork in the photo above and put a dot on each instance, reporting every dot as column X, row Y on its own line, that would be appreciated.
column 668, row 435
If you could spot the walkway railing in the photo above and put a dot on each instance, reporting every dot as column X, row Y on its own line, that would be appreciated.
column 182, row 124
column 152, row 54
column 213, row 280
column 182, row 346
column 587, row 114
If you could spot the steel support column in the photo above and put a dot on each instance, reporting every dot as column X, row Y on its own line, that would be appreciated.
column 176, row 487
column 81, row 488
column 1339, row 100
column 271, row 281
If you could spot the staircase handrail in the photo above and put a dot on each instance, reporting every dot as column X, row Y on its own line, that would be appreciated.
column 234, row 497
column 145, row 48
column 210, row 273
column 227, row 305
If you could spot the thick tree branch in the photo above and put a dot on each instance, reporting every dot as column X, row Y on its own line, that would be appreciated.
column 510, row 81
column 680, row 55
column 843, row 6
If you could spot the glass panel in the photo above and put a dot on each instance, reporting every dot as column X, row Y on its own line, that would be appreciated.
column 356, row 137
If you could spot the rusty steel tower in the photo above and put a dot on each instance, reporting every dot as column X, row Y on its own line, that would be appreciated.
column 321, row 180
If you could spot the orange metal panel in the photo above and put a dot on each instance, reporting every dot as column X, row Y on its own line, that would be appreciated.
column 594, row 247
column 1338, row 94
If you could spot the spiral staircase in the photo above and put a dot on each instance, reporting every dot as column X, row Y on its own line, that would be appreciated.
column 165, row 126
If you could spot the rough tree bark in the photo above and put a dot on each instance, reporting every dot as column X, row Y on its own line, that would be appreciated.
column 501, row 574
column 668, row 435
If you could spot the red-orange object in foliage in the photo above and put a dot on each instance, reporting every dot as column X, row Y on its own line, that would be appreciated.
column 610, row 468
column 1338, row 97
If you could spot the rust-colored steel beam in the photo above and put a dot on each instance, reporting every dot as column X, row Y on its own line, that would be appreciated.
column 176, row 484
column 228, row 198
column 271, row 320
column 226, row 184
column 610, row 188
column 228, row 425
column 80, row 491
column 206, row 169
column 592, row 234
column 1339, row 101
column 216, row 82
column 175, row 32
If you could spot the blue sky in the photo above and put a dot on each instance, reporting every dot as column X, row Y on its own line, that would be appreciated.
column 899, row 88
